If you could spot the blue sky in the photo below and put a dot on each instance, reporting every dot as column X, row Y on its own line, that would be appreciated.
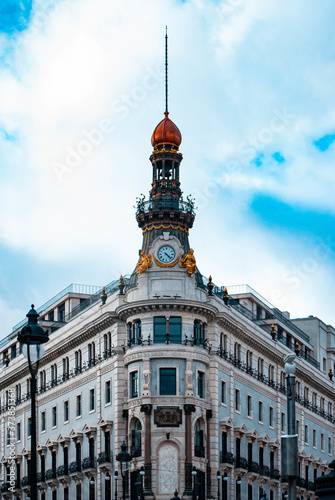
column 250, row 87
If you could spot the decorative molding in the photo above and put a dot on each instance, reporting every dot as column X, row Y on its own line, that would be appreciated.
column 146, row 409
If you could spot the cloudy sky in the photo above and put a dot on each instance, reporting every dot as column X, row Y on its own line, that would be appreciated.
column 251, row 87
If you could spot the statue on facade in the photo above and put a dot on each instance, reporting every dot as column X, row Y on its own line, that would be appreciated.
column 189, row 262
column 144, row 263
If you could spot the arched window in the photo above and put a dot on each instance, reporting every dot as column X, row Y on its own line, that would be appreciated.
column 199, row 332
column 53, row 374
column 91, row 354
column 18, row 393
column 306, row 394
column 136, row 448
column 199, row 449
column 77, row 361
column 249, row 360
column 260, row 367
column 237, row 351
column 271, row 373
column 66, row 368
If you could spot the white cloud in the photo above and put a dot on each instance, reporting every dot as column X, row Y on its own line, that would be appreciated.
column 232, row 67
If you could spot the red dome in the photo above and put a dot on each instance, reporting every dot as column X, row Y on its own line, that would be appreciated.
column 166, row 131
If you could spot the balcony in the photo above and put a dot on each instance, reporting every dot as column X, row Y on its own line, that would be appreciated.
column 51, row 477
column 88, row 465
column 199, row 451
column 275, row 474
column 227, row 458
column 253, row 467
column 135, row 451
column 62, row 471
column 5, row 487
column 302, row 483
column 264, row 471
column 241, row 463
column 40, row 477
column 104, row 457
column 75, row 471
column 25, row 481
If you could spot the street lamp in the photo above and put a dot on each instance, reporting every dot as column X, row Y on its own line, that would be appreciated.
column 218, row 477
column 194, row 473
column 116, row 475
column 142, row 474
column 123, row 457
column 289, row 442
column 33, row 336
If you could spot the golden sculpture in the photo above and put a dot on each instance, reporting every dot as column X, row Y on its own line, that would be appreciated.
column 144, row 263
column 189, row 262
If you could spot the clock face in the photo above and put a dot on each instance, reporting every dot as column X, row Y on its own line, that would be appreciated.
column 166, row 254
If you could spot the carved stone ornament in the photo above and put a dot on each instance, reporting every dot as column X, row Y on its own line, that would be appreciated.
column 189, row 262
column 168, row 416
column 189, row 409
column 146, row 409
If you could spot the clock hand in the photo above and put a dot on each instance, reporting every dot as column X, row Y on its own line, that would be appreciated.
column 168, row 256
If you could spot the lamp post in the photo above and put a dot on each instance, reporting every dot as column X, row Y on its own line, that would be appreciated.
column 142, row 474
column 123, row 457
column 33, row 336
column 218, row 477
column 116, row 475
column 194, row 473
column 289, row 442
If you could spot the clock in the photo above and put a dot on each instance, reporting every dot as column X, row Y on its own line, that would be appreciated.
column 166, row 254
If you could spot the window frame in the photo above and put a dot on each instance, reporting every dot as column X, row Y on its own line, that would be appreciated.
column 134, row 376
column 249, row 407
column 43, row 421
column 92, row 405
column 224, row 392
column 260, row 411
column 108, row 383
column 200, row 382
column 237, row 400
column 66, row 408
column 168, row 367
column 271, row 413
column 54, row 416
column 79, row 408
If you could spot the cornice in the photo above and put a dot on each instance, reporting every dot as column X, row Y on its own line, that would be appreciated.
column 63, row 347
column 157, row 305
column 144, row 353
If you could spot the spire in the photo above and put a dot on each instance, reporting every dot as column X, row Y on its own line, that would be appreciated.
column 166, row 71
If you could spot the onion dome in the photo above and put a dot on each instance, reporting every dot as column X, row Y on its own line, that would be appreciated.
column 166, row 132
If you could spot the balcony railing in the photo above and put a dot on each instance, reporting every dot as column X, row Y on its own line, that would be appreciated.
column 199, row 451
column 227, row 458
column 264, row 471
column 165, row 203
column 301, row 482
column 253, row 467
column 25, row 481
column 5, row 487
column 103, row 457
column 135, row 451
column 241, row 463
column 75, row 467
column 62, row 470
column 274, row 474
column 40, row 477
column 88, row 463
column 50, row 474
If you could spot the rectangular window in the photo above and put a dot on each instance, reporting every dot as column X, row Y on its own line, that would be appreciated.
column 283, row 422
column 29, row 427
column 306, row 434
column 108, row 398
column 297, row 428
column 330, row 446
column 322, row 441
column 92, row 400
column 175, row 330
column 249, row 406
column 61, row 313
column 271, row 417
column 78, row 405
column 54, row 416
column 66, row 411
column 18, row 431
column 260, row 411
column 51, row 316
column 237, row 400
column 167, row 381
column 43, row 421
column 223, row 392
column 159, row 330
column 201, row 384
column 314, row 438
column 134, row 384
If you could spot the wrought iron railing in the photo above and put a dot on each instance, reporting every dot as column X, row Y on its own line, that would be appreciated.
column 199, row 451
column 40, row 477
column 264, row 471
column 75, row 467
column 62, row 470
column 253, row 467
column 135, row 451
column 50, row 474
column 104, row 457
column 227, row 458
column 241, row 463
column 25, row 481
column 164, row 204
column 274, row 474
column 88, row 463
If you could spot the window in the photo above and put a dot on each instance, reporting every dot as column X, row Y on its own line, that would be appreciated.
column 91, row 354
column 199, row 449
column 159, row 330
column 43, row 421
column 297, row 428
column 136, row 449
column 175, row 330
column 199, row 332
column 77, row 361
column 8, row 436
column 53, row 374
column 271, row 417
column 314, row 438
column 108, row 398
column 61, row 313
column 322, row 404
column 134, row 385
column 322, row 441
column 330, row 446
column 282, row 422
column 167, row 381
column 54, row 416
column 18, row 431
column 66, row 368
column 223, row 392
column 306, row 434
column 92, row 400
column 29, row 427
column 324, row 364
column 134, row 332
column 78, row 405
column 201, row 384
column 52, row 316
column 78, row 492
column 314, row 398
column 249, row 406
column 13, row 351
column 237, row 400
column 66, row 411
column 260, row 411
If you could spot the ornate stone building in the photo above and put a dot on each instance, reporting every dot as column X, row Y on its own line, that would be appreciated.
column 189, row 375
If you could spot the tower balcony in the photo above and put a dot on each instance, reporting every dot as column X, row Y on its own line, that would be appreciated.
column 165, row 209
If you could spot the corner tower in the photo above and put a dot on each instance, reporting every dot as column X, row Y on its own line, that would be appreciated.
column 165, row 210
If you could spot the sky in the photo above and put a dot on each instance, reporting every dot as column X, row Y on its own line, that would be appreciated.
column 251, row 87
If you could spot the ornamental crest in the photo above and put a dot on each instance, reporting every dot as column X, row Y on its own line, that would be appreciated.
column 144, row 263
column 168, row 416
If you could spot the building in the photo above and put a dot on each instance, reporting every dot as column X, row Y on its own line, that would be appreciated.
column 189, row 375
